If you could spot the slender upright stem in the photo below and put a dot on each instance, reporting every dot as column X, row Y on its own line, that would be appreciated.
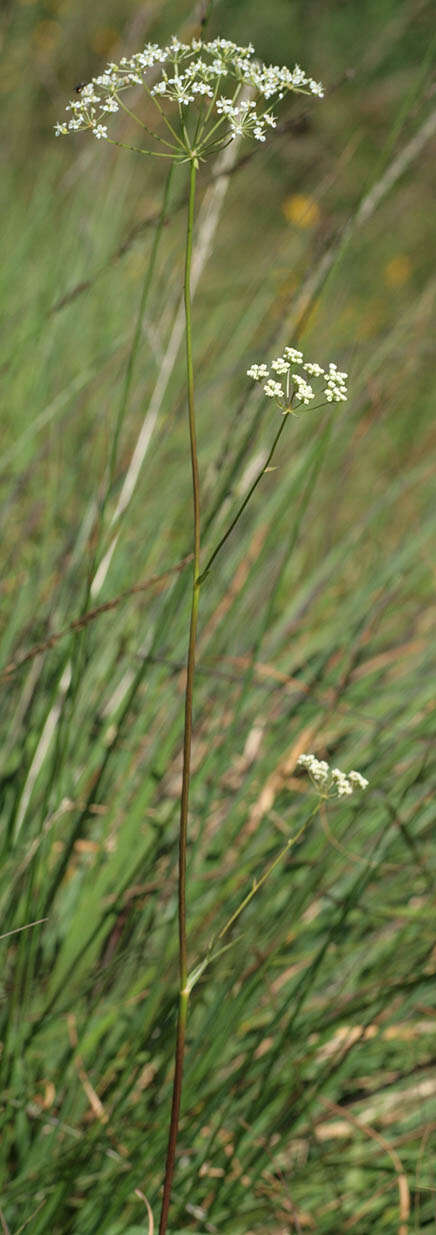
column 187, row 739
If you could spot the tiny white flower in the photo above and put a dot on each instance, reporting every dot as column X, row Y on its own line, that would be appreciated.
column 88, row 94
column 100, row 131
column 294, row 356
column 298, row 77
column 273, row 390
column 110, row 105
column 357, row 779
column 202, row 87
column 258, row 372
column 280, row 365
column 225, row 107
column 304, row 392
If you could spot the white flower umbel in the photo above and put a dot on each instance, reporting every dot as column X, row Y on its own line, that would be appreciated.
column 331, row 782
column 206, row 77
column 258, row 371
column 336, row 389
column 273, row 389
column 331, row 384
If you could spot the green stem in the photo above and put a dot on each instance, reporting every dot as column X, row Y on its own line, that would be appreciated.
column 223, row 119
column 187, row 739
column 160, row 109
column 202, row 123
column 151, row 133
column 247, row 497
column 258, row 883
column 155, row 154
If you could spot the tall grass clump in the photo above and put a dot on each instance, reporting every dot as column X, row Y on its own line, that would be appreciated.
column 218, row 990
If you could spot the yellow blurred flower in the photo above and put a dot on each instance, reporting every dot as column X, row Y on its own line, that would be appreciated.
column 301, row 210
column 398, row 270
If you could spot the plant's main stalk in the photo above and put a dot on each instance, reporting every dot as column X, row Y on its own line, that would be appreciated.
column 187, row 739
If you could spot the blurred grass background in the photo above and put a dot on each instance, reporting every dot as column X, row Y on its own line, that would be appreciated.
column 310, row 1098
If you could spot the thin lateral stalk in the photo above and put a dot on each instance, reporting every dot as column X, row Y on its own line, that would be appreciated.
column 247, row 497
column 187, row 738
column 258, row 883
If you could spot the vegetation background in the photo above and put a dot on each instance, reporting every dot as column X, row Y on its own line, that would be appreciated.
column 310, row 1093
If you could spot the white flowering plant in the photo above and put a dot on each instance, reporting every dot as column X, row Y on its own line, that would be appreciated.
column 331, row 782
column 294, row 390
column 204, row 96
column 207, row 88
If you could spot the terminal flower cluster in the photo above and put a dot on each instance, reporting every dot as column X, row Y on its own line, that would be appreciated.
column 208, row 75
column 296, row 388
column 331, row 782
